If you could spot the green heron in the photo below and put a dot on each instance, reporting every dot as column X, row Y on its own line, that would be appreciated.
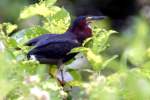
column 55, row 48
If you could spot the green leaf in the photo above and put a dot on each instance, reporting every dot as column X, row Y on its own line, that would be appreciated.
column 79, row 49
column 55, row 19
column 50, row 2
column 136, row 50
column 42, row 9
column 100, row 39
column 95, row 60
column 7, row 28
column 109, row 60
column 7, row 73
column 11, row 42
column 75, row 74
column 26, row 34
column 58, row 23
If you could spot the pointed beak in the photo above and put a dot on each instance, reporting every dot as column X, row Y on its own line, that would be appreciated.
column 90, row 18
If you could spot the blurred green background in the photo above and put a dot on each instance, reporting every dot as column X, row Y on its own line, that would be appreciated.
column 123, row 67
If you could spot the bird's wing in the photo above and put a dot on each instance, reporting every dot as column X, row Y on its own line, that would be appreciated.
column 33, row 42
column 55, row 49
column 53, row 39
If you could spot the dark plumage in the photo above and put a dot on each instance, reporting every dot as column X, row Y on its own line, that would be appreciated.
column 53, row 48
column 50, row 48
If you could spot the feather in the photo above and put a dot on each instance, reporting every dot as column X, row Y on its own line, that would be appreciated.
column 57, row 49
column 32, row 42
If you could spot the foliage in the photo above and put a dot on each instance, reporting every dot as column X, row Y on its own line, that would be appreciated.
column 103, row 77
column 10, row 9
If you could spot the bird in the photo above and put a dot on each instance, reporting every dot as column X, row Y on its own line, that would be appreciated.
column 55, row 48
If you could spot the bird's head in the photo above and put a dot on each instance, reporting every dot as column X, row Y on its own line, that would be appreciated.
column 81, row 26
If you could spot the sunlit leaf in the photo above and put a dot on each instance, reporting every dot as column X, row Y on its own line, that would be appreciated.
column 43, row 8
column 7, row 28
column 95, row 60
column 58, row 23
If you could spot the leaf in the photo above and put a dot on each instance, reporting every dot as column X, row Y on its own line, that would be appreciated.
column 10, row 27
column 136, row 50
column 50, row 2
column 75, row 74
column 95, row 60
column 86, row 41
column 7, row 73
column 58, row 23
column 53, row 71
column 55, row 19
column 75, row 83
column 24, row 35
column 7, row 28
column 100, row 39
column 79, row 49
column 42, row 9
column 109, row 60
column 12, row 42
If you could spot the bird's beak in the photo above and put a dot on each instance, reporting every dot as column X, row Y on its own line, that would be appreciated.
column 90, row 18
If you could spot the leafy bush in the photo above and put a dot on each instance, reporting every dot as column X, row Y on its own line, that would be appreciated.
column 94, row 74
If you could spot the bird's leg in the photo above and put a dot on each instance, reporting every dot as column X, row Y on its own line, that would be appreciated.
column 62, row 75
column 60, row 68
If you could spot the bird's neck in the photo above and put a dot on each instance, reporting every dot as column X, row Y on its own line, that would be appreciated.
column 80, row 33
